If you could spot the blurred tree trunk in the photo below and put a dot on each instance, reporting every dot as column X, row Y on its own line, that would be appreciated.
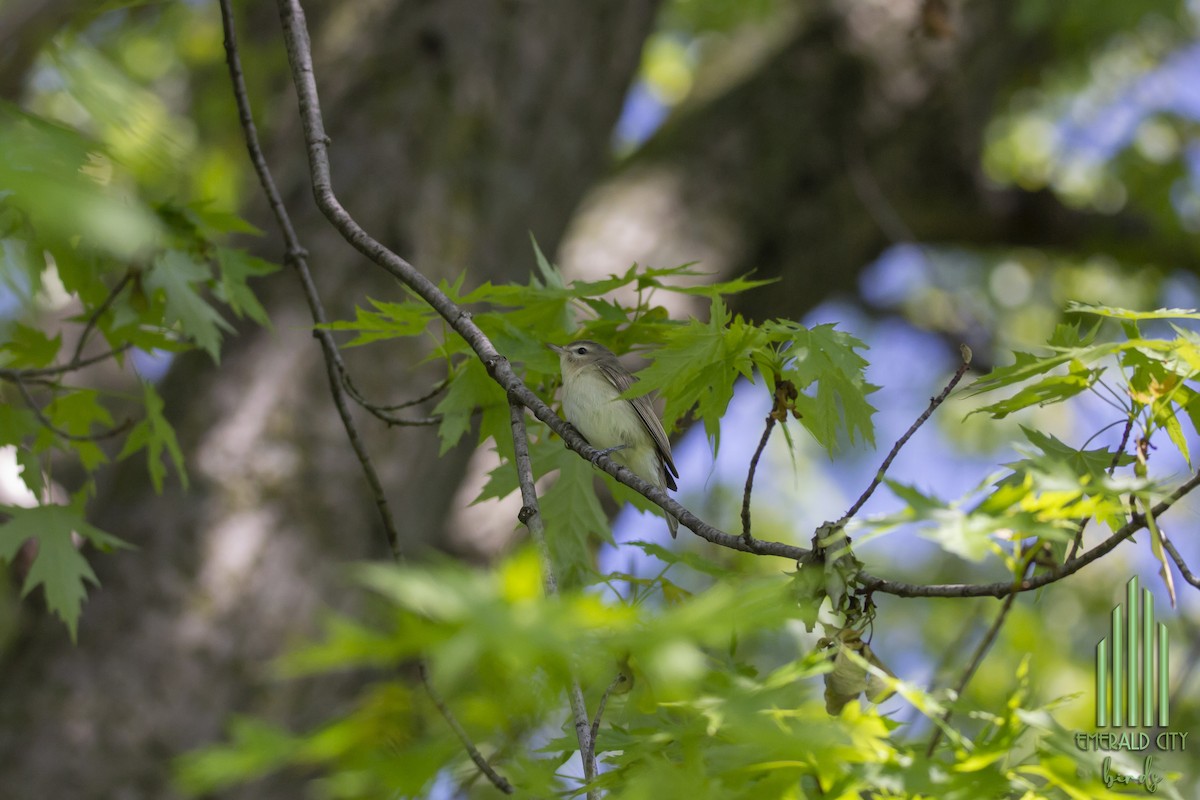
column 458, row 127
column 863, row 129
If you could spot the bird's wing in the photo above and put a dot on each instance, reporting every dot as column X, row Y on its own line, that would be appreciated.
column 622, row 382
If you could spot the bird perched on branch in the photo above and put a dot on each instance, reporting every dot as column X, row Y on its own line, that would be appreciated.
column 628, row 429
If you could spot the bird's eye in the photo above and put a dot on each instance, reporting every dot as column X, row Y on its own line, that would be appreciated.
column 581, row 350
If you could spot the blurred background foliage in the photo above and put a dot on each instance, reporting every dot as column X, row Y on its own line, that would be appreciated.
column 922, row 173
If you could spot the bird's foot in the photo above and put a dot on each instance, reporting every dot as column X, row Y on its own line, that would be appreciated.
column 608, row 450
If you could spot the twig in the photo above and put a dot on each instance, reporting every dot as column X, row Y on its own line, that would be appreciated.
column 762, row 443
column 383, row 413
column 1002, row 589
column 297, row 257
column 531, row 516
column 486, row 769
column 437, row 389
column 1169, row 546
column 934, row 402
column 95, row 315
column 334, row 369
column 9, row 374
column 976, row 659
column 612, row 687
column 57, row 431
column 1077, row 542
column 874, row 200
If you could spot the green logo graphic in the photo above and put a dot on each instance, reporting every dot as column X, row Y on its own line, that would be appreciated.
column 1125, row 683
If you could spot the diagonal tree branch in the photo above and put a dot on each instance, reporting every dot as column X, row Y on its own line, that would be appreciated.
column 612, row 687
column 57, row 431
column 297, row 257
column 985, row 644
column 485, row 769
column 94, row 317
column 934, row 402
column 1003, row 588
column 9, row 374
column 1187, row 574
column 334, row 368
column 1077, row 542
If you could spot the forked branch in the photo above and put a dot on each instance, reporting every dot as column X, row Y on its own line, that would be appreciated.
column 334, row 368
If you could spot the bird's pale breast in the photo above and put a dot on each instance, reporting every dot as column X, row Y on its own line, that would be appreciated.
column 594, row 406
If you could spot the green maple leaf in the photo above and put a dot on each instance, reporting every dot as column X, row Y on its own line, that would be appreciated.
column 1075, row 307
column 236, row 268
column 573, row 515
column 472, row 388
column 29, row 347
column 387, row 321
column 830, row 374
column 58, row 567
column 698, row 365
column 76, row 412
column 157, row 436
column 180, row 277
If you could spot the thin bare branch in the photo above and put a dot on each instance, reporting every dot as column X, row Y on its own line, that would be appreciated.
column 1001, row 589
column 1077, row 542
column 381, row 412
column 873, row 198
column 335, row 370
column 762, row 444
column 116, row 430
column 1187, row 574
column 297, row 257
column 94, row 317
column 62, row 369
column 486, row 769
column 612, row 687
column 934, row 402
column 437, row 389
column 985, row 644
column 531, row 516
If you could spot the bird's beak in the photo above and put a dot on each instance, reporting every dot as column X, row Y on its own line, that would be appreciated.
column 556, row 348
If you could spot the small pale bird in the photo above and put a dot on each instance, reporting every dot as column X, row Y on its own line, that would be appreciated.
column 593, row 380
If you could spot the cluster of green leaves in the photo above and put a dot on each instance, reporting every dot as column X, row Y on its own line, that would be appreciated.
column 724, row 701
column 693, row 366
column 75, row 233
column 726, row 694
column 1149, row 380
